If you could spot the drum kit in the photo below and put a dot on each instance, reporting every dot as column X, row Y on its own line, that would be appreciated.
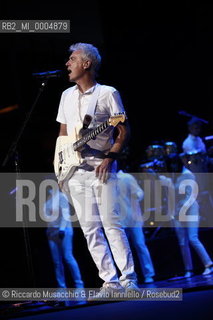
column 156, row 155
column 156, row 158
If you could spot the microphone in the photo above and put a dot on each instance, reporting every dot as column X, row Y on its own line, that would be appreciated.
column 48, row 74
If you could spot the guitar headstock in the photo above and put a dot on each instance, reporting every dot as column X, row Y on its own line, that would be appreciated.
column 114, row 120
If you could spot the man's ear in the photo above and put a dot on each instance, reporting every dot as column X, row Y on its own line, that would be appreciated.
column 87, row 64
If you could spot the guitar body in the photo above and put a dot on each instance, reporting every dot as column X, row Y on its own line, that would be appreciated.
column 66, row 159
column 67, row 156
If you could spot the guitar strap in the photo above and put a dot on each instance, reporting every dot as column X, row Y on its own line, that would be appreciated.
column 88, row 119
column 93, row 102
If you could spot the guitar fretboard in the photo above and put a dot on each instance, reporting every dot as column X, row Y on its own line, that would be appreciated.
column 90, row 135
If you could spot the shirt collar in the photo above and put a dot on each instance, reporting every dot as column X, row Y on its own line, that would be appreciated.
column 192, row 136
column 89, row 91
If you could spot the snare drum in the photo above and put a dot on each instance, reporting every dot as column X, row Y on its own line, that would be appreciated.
column 155, row 151
column 170, row 147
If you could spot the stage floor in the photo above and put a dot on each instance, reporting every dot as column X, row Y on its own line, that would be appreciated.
column 197, row 303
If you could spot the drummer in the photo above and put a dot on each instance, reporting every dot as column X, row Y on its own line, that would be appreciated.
column 193, row 143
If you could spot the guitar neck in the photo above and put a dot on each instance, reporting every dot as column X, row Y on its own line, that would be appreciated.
column 90, row 135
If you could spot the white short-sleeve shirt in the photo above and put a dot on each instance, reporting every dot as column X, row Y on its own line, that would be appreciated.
column 73, row 107
column 129, row 196
column 193, row 144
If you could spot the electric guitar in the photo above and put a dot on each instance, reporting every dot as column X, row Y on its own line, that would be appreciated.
column 67, row 151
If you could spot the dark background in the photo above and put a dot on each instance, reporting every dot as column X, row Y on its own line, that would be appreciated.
column 157, row 54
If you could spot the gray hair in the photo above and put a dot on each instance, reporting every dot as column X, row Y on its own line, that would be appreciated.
column 89, row 52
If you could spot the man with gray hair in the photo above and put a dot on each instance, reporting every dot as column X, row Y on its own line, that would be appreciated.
column 92, row 186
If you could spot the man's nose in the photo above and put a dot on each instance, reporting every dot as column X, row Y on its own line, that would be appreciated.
column 67, row 63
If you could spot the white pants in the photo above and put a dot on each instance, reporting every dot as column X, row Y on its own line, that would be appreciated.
column 61, row 251
column 137, row 239
column 189, row 235
column 95, row 204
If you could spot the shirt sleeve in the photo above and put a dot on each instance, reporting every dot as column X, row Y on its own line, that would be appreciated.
column 61, row 116
column 136, row 190
column 183, row 147
column 115, row 103
column 186, row 145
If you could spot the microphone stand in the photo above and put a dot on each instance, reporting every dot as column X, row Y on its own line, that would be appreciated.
column 13, row 147
column 14, row 153
column 184, row 113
